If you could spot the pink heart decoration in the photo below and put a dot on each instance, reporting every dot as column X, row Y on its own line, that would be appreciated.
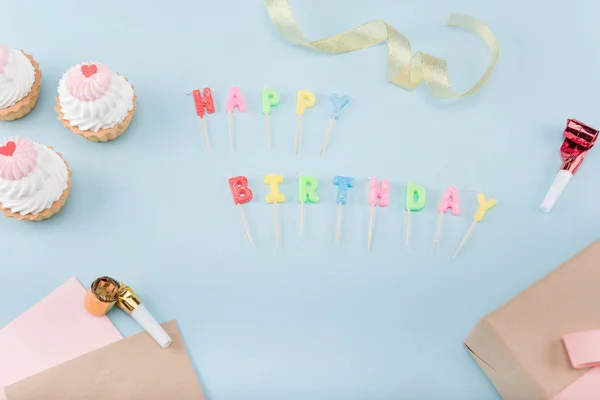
column 89, row 70
column 8, row 149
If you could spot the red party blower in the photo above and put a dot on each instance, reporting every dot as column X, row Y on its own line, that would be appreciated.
column 579, row 139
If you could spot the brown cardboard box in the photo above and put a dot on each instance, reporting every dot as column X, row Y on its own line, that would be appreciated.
column 519, row 346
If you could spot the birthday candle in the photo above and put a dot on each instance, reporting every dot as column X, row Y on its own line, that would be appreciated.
column 274, row 197
column 306, row 99
column 378, row 195
column 307, row 191
column 484, row 205
column 415, row 201
column 241, row 194
column 343, row 183
column 204, row 102
column 338, row 101
column 235, row 100
column 270, row 99
column 449, row 201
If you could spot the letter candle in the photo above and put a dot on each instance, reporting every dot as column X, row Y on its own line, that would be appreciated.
column 275, row 197
column 235, row 100
column 241, row 194
column 343, row 183
column 484, row 205
column 204, row 102
column 449, row 201
column 378, row 195
column 270, row 99
column 306, row 99
column 307, row 191
column 415, row 201
column 338, row 101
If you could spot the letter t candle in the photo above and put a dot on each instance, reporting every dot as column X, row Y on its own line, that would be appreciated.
column 579, row 139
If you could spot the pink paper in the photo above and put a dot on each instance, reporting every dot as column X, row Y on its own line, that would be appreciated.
column 55, row 330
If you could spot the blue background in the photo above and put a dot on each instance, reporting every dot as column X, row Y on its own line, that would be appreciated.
column 310, row 320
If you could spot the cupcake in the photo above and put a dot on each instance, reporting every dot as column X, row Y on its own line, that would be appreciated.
column 34, row 180
column 20, row 79
column 95, row 102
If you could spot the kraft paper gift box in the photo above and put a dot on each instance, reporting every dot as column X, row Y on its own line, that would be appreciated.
column 520, row 345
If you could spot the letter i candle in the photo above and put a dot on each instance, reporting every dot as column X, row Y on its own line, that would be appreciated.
column 270, row 99
column 241, row 194
column 307, row 191
column 204, row 102
column 275, row 197
column 343, row 183
column 449, row 201
column 306, row 99
column 484, row 205
column 378, row 195
column 579, row 139
column 415, row 201
column 235, row 100
column 338, row 101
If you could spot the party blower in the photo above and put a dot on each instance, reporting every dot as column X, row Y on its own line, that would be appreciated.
column 579, row 139
column 105, row 292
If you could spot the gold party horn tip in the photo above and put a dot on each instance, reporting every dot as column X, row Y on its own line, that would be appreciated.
column 101, row 296
column 128, row 300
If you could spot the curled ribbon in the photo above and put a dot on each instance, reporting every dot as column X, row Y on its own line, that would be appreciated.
column 583, row 349
column 403, row 68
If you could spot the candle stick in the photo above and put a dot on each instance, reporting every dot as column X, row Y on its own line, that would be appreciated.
column 378, row 195
column 307, row 191
column 274, row 197
column 270, row 99
column 241, row 194
column 415, row 201
column 449, row 201
column 338, row 102
column 343, row 183
column 235, row 100
column 306, row 99
column 202, row 103
column 484, row 205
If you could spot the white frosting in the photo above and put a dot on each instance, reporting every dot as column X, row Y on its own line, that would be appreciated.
column 16, row 79
column 103, row 113
column 40, row 188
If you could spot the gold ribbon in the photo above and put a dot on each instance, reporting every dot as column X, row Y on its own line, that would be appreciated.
column 403, row 68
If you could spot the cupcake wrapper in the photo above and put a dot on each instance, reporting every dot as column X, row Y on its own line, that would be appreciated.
column 103, row 135
column 48, row 212
column 27, row 103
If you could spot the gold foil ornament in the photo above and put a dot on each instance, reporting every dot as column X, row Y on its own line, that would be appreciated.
column 403, row 68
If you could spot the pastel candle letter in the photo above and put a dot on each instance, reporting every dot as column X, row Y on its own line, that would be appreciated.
column 343, row 183
column 203, row 102
column 484, row 205
column 235, row 100
column 450, row 201
column 239, row 189
column 274, row 196
column 270, row 98
column 306, row 99
column 415, row 197
column 338, row 101
column 378, row 193
column 307, row 189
